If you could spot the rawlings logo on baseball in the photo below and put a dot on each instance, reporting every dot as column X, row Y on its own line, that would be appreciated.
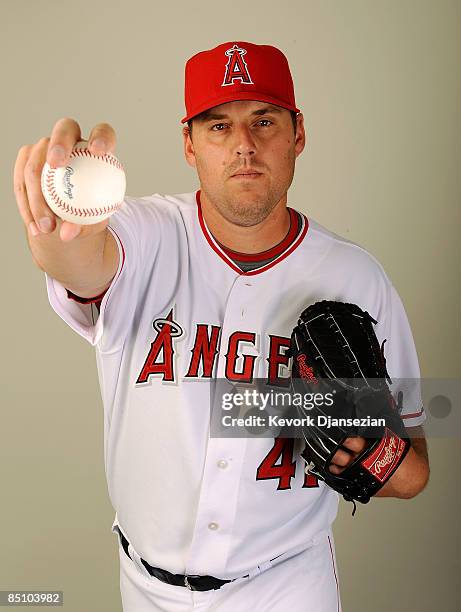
column 67, row 184
column 96, row 191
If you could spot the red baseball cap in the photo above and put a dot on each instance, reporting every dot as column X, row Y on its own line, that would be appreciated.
column 237, row 71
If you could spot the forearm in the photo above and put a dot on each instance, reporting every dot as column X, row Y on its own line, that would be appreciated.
column 411, row 476
column 84, row 265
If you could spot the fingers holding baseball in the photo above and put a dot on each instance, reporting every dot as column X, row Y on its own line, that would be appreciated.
column 65, row 134
column 35, row 213
column 55, row 156
column 102, row 139
column 19, row 187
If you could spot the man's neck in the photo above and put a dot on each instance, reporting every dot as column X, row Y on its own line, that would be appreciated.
column 253, row 239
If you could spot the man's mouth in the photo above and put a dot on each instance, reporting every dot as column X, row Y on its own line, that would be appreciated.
column 246, row 174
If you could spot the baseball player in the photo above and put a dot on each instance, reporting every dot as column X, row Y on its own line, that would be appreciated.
column 178, row 291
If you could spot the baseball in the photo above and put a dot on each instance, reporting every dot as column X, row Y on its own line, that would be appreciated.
column 89, row 189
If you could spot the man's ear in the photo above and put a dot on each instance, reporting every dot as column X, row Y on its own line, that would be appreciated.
column 189, row 152
column 300, row 137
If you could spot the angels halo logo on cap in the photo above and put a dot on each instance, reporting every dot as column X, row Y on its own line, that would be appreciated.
column 236, row 67
column 237, row 71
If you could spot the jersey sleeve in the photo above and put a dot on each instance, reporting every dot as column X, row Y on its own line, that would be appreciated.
column 138, row 228
column 401, row 357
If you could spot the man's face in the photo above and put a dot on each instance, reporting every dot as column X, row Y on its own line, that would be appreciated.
column 245, row 136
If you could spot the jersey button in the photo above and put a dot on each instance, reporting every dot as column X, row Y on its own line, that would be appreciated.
column 213, row 526
column 222, row 463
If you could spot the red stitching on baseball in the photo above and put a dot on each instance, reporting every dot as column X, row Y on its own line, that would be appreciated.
column 107, row 157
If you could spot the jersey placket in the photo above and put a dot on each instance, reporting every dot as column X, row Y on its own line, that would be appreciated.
column 224, row 463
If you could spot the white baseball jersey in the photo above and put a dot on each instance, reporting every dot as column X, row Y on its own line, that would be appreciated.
column 178, row 314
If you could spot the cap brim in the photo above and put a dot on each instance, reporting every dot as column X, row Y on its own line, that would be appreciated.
column 240, row 95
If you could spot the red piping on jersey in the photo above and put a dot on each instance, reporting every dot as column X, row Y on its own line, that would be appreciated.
column 272, row 252
column 98, row 299
column 82, row 300
column 222, row 254
column 413, row 414
column 334, row 569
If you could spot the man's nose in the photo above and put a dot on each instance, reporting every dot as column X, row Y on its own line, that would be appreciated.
column 243, row 141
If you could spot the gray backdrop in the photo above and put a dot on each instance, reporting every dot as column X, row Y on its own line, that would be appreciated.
column 379, row 86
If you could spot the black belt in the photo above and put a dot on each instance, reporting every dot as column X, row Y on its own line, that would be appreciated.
column 194, row 583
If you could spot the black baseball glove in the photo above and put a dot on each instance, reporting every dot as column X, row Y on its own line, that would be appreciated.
column 336, row 353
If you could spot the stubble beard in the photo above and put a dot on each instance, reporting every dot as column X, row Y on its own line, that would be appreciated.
column 248, row 209
column 238, row 210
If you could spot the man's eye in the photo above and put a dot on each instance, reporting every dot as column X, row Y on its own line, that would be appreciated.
column 217, row 126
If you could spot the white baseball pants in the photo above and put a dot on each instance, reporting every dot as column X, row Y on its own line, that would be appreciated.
column 306, row 582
